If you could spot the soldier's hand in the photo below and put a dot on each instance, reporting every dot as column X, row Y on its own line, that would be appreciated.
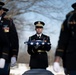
column 2, row 63
column 56, row 67
column 13, row 61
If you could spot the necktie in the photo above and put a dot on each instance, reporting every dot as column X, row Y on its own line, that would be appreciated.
column 39, row 36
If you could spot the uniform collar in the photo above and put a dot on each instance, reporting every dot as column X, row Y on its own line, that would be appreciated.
column 0, row 17
column 38, row 35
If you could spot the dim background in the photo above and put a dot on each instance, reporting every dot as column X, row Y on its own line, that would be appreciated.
column 26, row 12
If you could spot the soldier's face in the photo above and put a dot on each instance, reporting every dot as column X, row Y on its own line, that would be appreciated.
column 39, row 30
column 1, row 12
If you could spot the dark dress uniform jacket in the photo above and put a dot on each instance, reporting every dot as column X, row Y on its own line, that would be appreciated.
column 9, row 36
column 67, row 42
column 4, row 45
column 39, row 59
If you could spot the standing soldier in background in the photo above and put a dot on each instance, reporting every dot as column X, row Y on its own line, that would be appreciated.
column 66, row 48
column 39, row 59
column 9, row 40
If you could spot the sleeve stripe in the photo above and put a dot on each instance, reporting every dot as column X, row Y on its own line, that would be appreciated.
column 5, row 53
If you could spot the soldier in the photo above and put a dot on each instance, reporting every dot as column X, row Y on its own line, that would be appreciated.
column 66, row 48
column 39, row 59
column 4, row 51
column 10, row 36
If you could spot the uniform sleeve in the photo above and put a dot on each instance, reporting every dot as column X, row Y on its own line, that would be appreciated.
column 5, row 50
column 14, row 39
column 4, row 46
column 47, row 47
column 30, row 47
column 63, row 39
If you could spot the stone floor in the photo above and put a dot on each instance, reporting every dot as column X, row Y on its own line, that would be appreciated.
column 20, row 68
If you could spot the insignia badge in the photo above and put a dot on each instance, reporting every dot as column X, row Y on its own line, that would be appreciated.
column 6, row 28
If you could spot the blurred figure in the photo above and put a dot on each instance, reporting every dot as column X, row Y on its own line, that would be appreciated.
column 9, row 42
column 38, row 52
column 38, row 72
column 66, row 49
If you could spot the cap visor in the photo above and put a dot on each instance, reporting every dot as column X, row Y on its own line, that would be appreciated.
column 39, row 27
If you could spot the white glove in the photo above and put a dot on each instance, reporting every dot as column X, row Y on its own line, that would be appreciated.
column 2, row 63
column 13, row 61
column 56, row 67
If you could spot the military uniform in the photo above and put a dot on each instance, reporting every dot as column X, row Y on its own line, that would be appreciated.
column 4, row 45
column 4, row 51
column 10, row 33
column 39, row 58
column 67, row 41
column 9, row 30
column 8, row 43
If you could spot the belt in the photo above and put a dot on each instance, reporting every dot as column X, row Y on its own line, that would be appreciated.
column 41, row 51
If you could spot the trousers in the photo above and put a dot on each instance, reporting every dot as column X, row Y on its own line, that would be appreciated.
column 5, row 70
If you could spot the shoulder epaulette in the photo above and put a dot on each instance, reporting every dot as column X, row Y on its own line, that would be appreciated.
column 72, row 12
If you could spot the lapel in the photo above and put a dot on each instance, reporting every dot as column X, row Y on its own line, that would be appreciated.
column 42, row 36
column 39, row 38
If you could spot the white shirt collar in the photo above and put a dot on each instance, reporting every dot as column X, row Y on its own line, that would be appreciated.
column 39, row 35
